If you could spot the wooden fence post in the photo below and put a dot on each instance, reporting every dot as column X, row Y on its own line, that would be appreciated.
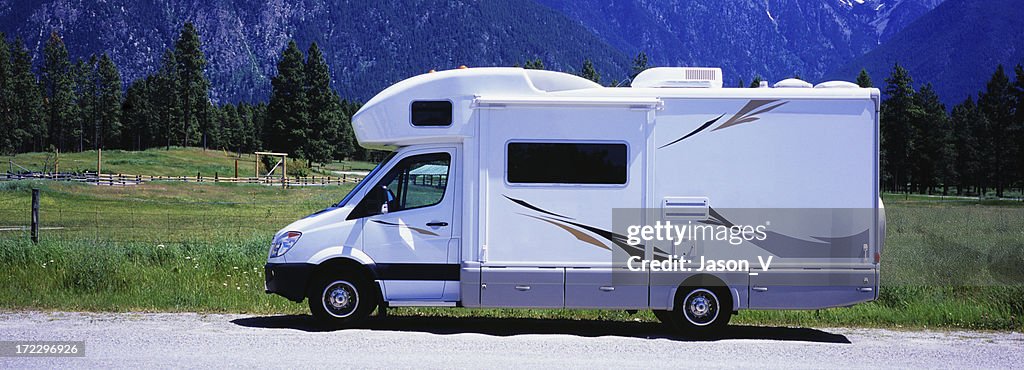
column 35, row 215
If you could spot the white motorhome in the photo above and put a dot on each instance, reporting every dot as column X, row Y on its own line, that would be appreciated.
column 510, row 187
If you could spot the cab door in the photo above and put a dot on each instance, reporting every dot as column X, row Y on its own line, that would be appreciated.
column 409, row 223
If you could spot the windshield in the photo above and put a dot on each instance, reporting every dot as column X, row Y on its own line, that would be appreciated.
column 363, row 182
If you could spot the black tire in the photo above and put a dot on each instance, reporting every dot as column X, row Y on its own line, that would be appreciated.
column 341, row 300
column 702, row 311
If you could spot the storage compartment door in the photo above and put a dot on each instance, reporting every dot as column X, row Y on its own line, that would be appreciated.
column 811, row 289
column 599, row 288
column 526, row 287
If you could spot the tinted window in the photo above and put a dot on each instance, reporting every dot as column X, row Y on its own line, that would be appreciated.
column 432, row 113
column 565, row 163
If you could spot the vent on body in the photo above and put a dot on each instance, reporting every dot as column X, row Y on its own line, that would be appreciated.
column 679, row 77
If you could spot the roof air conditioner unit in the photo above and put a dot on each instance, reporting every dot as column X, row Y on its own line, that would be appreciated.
column 679, row 77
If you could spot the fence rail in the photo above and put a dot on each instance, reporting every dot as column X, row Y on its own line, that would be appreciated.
column 119, row 179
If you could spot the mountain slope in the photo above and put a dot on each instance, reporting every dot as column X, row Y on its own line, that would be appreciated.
column 956, row 47
column 772, row 38
column 369, row 45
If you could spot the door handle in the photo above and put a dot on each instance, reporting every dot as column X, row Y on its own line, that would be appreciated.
column 759, row 289
column 522, row 288
column 607, row 288
column 866, row 290
column 437, row 224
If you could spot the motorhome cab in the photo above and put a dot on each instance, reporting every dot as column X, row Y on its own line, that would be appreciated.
column 510, row 187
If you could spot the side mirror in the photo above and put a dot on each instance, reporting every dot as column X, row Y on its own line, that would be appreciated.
column 385, row 197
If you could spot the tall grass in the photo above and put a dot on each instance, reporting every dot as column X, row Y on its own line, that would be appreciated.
column 201, row 247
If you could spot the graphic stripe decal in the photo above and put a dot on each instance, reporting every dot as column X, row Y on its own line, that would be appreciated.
column 418, row 230
column 535, row 208
column 786, row 246
column 615, row 239
column 694, row 132
column 743, row 117
column 746, row 114
column 578, row 234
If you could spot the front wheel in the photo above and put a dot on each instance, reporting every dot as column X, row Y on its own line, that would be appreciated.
column 341, row 301
column 701, row 311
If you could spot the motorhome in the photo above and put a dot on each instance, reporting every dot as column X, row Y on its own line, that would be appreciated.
column 517, row 188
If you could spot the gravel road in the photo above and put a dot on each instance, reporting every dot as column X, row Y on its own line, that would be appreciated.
column 133, row 340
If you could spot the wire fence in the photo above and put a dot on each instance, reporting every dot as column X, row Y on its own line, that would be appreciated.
column 117, row 179
column 126, row 221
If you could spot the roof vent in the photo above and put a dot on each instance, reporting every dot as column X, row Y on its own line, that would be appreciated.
column 679, row 77
column 793, row 83
column 837, row 85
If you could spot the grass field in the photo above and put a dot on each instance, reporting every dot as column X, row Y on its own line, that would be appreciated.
column 159, row 162
column 201, row 247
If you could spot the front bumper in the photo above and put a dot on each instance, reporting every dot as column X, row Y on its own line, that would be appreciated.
column 289, row 280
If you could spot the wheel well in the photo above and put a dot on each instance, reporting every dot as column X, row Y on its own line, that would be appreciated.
column 335, row 265
column 711, row 282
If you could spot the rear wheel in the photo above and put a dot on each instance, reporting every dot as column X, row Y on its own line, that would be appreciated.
column 341, row 301
column 702, row 310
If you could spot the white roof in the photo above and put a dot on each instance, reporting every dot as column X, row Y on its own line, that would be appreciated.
column 384, row 121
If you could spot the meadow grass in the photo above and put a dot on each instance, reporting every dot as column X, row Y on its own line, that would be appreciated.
column 175, row 161
column 201, row 247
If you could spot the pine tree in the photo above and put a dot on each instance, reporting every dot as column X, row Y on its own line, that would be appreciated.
column 639, row 64
column 136, row 116
column 864, row 79
column 288, row 112
column 1018, row 125
column 929, row 136
column 108, row 102
column 8, row 119
column 534, row 64
column 348, row 135
column 996, row 103
column 966, row 158
column 741, row 84
column 31, row 124
column 588, row 72
column 325, row 116
column 232, row 129
column 166, row 95
column 756, row 82
column 260, row 124
column 898, row 112
column 58, row 83
column 86, row 124
column 195, row 94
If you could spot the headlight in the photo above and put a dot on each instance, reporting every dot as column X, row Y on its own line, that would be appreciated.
column 284, row 242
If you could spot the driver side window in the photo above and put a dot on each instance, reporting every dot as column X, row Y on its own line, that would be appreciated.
column 415, row 182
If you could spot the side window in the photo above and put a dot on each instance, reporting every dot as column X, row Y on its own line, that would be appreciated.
column 415, row 182
column 566, row 163
column 431, row 113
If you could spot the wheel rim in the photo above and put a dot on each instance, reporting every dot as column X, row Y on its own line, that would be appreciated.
column 340, row 299
column 701, row 307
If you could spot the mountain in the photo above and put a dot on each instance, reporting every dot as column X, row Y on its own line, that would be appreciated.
column 368, row 45
column 956, row 47
column 774, row 39
column 371, row 44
